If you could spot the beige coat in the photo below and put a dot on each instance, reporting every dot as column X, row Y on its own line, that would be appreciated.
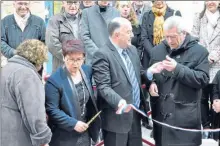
column 212, row 44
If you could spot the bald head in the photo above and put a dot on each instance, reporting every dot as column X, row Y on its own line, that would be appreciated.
column 120, row 31
column 116, row 24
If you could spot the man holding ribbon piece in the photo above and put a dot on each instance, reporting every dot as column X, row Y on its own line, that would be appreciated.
column 117, row 72
column 176, row 91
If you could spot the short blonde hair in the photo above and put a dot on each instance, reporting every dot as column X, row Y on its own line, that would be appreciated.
column 34, row 51
column 132, row 16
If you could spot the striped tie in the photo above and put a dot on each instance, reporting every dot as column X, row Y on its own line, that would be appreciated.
column 133, row 79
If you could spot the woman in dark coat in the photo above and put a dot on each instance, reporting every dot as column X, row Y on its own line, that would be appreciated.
column 152, row 27
column 215, row 97
column 206, row 27
column 70, row 102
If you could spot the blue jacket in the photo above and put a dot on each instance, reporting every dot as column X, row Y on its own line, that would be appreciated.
column 12, row 36
column 63, row 108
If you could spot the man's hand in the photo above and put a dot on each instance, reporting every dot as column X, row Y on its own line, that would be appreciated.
column 156, row 68
column 122, row 105
column 169, row 64
column 81, row 127
column 216, row 105
column 153, row 90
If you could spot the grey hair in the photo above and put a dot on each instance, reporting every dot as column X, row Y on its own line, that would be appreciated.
column 175, row 21
column 116, row 23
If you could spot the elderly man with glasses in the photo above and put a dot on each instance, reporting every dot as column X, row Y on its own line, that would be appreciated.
column 176, row 91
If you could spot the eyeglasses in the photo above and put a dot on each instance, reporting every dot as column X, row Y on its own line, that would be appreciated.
column 70, row 3
column 77, row 61
column 172, row 37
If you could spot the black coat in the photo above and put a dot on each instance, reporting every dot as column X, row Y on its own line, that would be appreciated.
column 147, row 33
column 180, row 92
column 215, row 95
column 136, row 40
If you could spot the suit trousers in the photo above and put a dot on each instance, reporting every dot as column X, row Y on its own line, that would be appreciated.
column 132, row 138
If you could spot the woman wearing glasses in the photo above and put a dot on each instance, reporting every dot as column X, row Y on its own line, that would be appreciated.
column 61, row 27
column 70, row 102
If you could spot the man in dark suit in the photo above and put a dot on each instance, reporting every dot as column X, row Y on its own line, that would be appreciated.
column 117, row 72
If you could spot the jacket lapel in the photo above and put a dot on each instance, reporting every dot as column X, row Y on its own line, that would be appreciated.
column 152, row 17
column 168, row 13
column 204, row 33
column 118, row 58
column 89, row 87
column 67, row 24
column 70, row 89
column 216, row 31
column 99, row 13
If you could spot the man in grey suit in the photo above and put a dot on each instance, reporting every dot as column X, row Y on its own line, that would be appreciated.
column 117, row 72
column 93, row 27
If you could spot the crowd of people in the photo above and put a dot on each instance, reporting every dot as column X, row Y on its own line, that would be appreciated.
column 102, row 54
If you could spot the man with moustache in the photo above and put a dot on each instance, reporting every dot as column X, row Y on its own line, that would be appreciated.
column 61, row 27
column 117, row 72
column 20, row 26
column 93, row 27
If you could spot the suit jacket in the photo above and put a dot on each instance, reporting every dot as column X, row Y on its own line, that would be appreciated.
column 147, row 33
column 113, row 84
column 63, row 107
column 212, row 44
column 93, row 28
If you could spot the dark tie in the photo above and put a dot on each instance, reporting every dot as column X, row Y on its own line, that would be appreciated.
column 133, row 79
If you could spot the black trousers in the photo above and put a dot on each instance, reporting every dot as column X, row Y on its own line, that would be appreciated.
column 205, row 111
column 132, row 138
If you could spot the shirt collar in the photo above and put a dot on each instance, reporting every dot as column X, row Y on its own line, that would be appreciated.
column 117, row 47
column 21, row 19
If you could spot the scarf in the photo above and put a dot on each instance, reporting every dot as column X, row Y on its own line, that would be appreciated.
column 158, row 24
column 21, row 21
column 212, row 21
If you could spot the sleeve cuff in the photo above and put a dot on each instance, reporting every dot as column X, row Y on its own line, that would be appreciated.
column 42, row 137
column 176, row 72
column 149, row 75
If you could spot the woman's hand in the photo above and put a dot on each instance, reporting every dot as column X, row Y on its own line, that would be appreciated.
column 81, row 126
